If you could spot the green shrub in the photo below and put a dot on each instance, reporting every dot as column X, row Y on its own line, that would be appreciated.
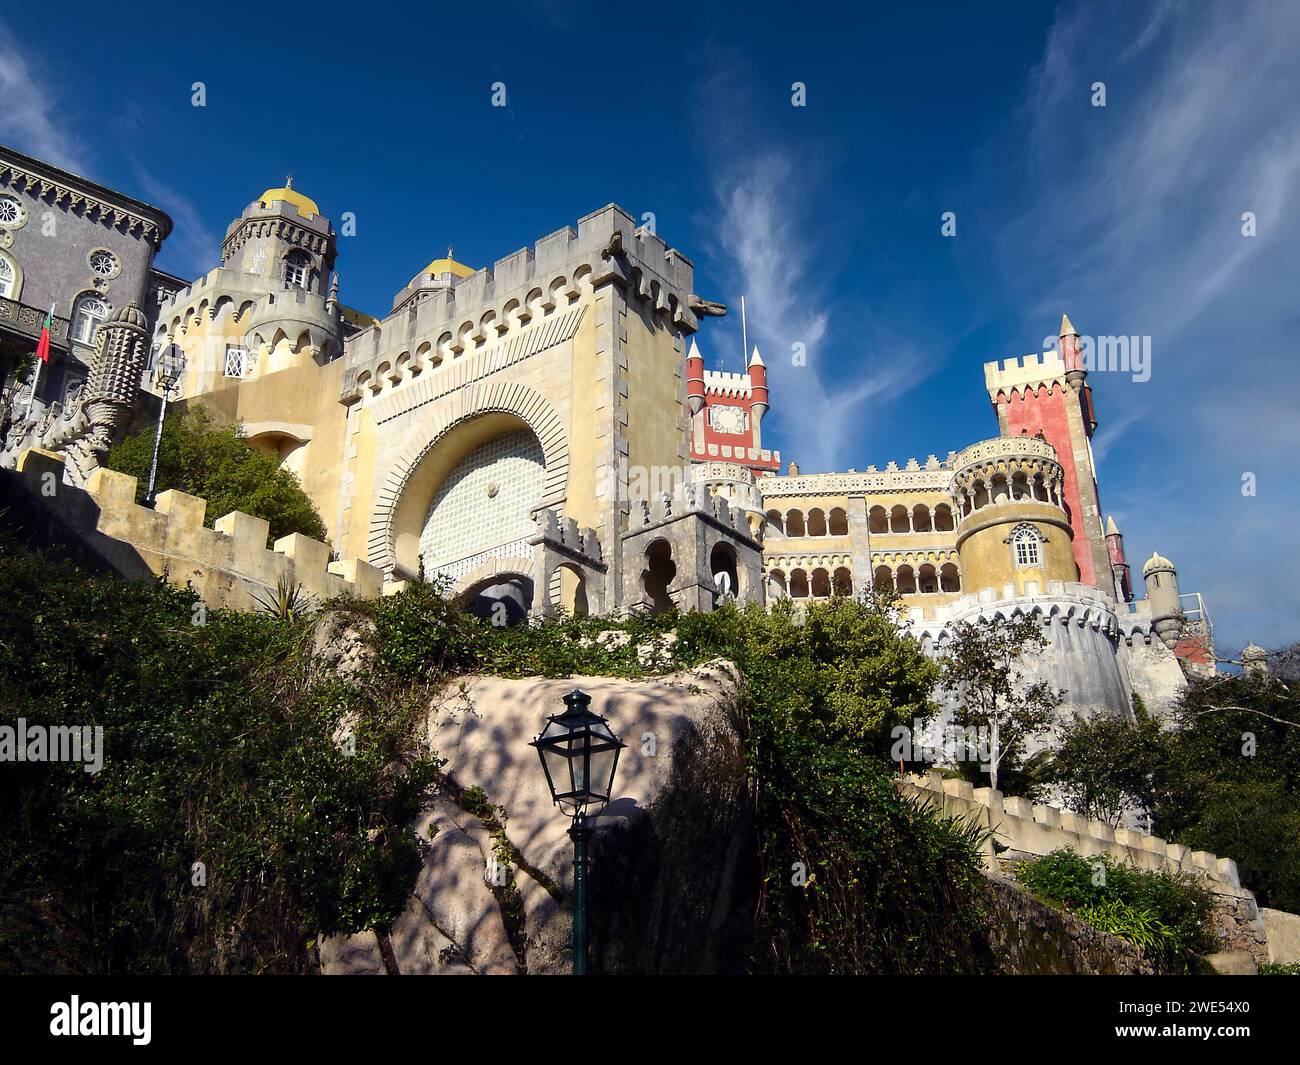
column 1169, row 914
column 219, row 750
column 1289, row 969
column 221, row 742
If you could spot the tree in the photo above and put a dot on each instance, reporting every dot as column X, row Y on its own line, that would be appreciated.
column 218, row 464
column 983, row 675
column 1227, row 780
column 1104, row 765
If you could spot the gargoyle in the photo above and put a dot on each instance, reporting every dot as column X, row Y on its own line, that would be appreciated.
column 703, row 308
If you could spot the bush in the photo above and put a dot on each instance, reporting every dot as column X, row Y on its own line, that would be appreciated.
column 219, row 750
column 1167, row 914
column 219, row 465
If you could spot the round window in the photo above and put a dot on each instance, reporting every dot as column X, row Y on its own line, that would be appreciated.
column 103, row 263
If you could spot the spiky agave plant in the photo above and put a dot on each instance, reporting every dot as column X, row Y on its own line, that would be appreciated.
column 287, row 601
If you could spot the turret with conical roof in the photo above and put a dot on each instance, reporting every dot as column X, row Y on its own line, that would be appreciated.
column 758, row 393
column 1118, row 564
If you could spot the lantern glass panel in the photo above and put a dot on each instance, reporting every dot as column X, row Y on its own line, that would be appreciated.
column 602, row 769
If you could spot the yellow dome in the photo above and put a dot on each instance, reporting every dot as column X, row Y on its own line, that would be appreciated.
column 305, row 204
column 445, row 266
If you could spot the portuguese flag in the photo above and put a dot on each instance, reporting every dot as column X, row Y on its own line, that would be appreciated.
column 43, row 345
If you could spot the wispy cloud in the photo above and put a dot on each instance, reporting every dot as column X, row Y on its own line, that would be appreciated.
column 27, row 110
column 768, row 222
column 32, row 121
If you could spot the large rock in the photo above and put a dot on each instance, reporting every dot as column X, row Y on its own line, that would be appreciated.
column 672, row 860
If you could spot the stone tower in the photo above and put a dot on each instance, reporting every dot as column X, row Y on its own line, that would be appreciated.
column 1013, row 535
column 282, row 238
column 1162, row 590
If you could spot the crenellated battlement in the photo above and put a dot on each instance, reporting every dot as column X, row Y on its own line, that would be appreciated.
column 566, row 534
column 913, row 476
column 1029, row 373
column 437, row 327
column 689, row 498
column 228, row 565
column 727, row 384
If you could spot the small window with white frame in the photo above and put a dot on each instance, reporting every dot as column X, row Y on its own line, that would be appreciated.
column 236, row 364
column 297, row 268
column 87, row 313
column 1026, row 545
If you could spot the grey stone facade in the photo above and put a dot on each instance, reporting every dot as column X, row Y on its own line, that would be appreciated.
column 72, row 239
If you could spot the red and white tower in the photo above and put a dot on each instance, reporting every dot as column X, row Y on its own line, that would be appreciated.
column 1050, row 397
column 727, row 412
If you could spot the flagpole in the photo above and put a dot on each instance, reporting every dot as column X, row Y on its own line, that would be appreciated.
column 36, row 378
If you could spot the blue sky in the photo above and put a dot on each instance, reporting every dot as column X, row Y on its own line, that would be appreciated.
column 827, row 217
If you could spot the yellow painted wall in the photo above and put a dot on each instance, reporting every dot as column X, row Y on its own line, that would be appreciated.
column 986, row 561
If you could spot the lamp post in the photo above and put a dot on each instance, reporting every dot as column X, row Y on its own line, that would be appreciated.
column 167, row 375
column 579, row 756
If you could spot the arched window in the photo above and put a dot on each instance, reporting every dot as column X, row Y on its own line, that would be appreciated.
column 87, row 313
column 776, row 588
column 943, row 518
column 898, row 522
column 8, row 278
column 839, row 522
column 821, row 584
column 816, row 522
column 794, row 523
column 949, row 579
column 843, row 581
column 884, row 579
column 775, row 524
column 1025, row 541
column 879, row 520
column 297, row 268
column 798, row 584
column 921, row 518
column 906, row 580
column 927, row 580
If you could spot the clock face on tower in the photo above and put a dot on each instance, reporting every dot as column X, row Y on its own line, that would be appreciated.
column 727, row 419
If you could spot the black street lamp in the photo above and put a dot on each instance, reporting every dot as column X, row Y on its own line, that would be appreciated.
column 167, row 375
column 579, row 756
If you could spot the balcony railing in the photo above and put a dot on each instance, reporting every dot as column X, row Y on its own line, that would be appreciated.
column 17, row 317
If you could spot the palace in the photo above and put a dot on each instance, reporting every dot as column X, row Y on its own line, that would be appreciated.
column 544, row 433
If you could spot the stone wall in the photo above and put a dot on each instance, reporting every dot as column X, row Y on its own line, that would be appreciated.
column 228, row 566
column 1282, row 933
column 1029, row 937
column 1021, row 829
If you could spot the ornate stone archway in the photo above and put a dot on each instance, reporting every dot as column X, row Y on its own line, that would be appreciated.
column 500, row 398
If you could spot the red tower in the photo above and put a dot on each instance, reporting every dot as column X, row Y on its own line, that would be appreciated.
column 1050, row 397
column 727, row 412
column 1118, row 566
